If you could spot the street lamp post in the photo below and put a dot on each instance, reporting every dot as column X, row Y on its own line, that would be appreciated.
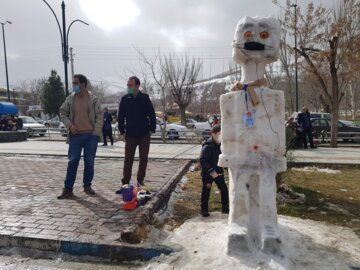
column 6, row 69
column 296, row 59
column 64, row 41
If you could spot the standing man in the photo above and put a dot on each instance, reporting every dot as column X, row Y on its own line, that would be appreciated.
column 305, row 127
column 137, row 122
column 107, row 129
column 81, row 114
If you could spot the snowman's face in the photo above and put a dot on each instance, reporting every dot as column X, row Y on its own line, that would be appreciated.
column 256, row 39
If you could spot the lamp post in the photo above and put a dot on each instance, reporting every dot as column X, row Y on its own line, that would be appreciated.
column 6, row 69
column 64, row 34
column 296, row 65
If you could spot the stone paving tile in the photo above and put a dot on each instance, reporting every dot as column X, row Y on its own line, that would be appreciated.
column 29, row 207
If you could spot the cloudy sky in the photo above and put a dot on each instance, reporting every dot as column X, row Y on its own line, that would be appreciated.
column 105, row 50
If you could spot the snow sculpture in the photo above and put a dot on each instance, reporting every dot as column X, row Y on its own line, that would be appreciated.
column 253, row 139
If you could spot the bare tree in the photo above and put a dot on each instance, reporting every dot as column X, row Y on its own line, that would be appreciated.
column 99, row 90
column 182, row 73
column 329, row 44
column 158, row 75
column 34, row 87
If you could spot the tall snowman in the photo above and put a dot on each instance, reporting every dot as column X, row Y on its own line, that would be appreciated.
column 253, row 139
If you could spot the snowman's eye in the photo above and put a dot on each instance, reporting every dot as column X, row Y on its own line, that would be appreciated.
column 248, row 34
column 264, row 34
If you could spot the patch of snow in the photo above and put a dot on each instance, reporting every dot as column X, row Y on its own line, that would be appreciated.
column 316, row 169
column 306, row 245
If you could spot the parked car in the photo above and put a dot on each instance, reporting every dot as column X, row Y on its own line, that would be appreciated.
column 32, row 127
column 312, row 115
column 345, row 132
column 203, row 129
column 53, row 122
column 39, row 120
column 63, row 129
column 348, row 123
column 190, row 123
column 173, row 131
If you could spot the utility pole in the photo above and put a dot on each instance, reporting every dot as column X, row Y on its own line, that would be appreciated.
column 296, row 60
column 6, row 68
column 64, row 40
column 65, row 48
column 72, row 62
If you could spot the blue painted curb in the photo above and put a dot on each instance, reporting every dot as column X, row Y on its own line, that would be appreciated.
column 109, row 252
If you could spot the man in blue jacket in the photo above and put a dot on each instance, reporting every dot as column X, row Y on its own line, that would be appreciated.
column 137, row 121
column 305, row 127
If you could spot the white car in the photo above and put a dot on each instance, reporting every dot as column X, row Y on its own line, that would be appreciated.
column 190, row 123
column 203, row 129
column 53, row 122
column 173, row 131
column 32, row 127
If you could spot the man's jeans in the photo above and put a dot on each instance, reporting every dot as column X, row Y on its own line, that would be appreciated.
column 88, row 142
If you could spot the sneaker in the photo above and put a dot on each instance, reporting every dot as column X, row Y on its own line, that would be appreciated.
column 104, row 144
column 205, row 213
column 140, row 183
column 67, row 193
column 88, row 190
column 125, row 182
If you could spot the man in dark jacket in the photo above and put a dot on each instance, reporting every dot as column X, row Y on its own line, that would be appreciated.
column 137, row 121
column 305, row 127
column 211, row 172
column 107, row 129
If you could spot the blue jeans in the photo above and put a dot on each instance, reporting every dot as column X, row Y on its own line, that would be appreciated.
column 88, row 142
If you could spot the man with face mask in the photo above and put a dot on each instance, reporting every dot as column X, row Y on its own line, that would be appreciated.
column 137, row 121
column 82, row 116
column 211, row 172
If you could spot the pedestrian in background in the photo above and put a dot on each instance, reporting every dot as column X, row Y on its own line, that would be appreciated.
column 137, row 121
column 305, row 127
column 107, row 129
column 82, row 116
column 211, row 172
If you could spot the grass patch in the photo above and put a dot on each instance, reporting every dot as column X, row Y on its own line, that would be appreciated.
column 331, row 198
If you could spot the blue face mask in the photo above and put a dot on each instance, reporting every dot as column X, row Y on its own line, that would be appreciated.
column 76, row 88
column 130, row 91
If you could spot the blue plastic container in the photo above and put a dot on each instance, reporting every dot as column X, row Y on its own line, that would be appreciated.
column 8, row 108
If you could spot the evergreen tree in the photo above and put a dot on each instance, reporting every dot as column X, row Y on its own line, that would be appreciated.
column 53, row 94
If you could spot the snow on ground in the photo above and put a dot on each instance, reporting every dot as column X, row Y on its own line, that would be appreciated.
column 316, row 169
column 306, row 245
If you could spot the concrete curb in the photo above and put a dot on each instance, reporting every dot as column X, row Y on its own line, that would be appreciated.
column 110, row 252
column 145, row 213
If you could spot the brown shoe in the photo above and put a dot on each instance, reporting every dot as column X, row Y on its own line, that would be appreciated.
column 88, row 190
column 67, row 193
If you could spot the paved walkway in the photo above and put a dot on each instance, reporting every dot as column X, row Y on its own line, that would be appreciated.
column 29, row 207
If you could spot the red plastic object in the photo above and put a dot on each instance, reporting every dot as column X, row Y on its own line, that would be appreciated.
column 130, row 205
